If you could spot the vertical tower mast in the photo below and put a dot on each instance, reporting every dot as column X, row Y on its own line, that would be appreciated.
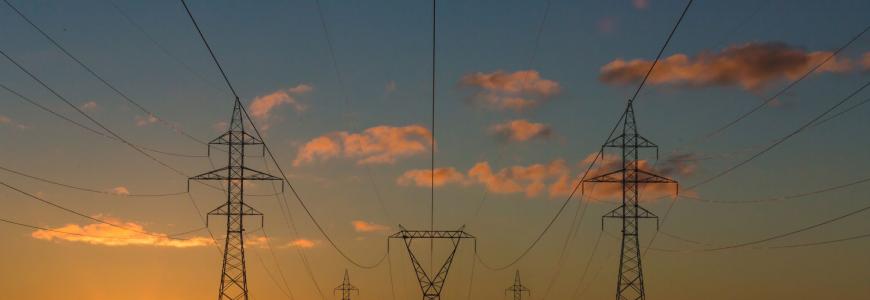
column 234, row 283
column 629, row 284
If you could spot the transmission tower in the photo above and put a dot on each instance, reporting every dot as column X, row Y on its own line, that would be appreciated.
column 629, row 284
column 234, row 284
column 517, row 289
column 346, row 288
column 431, row 285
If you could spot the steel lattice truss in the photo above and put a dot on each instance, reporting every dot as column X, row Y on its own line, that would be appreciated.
column 431, row 286
column 233, row 284
column 346, row 288
column 630, row 281
column 518, row 289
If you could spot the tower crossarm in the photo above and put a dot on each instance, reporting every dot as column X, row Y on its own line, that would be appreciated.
column 642, row 177
column 245, row 138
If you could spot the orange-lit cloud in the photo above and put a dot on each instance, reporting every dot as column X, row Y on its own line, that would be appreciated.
column 261, row 107
column 606, row 25
column 750, row 66
column 301, row 243
column 368, row 227
column 557, row 179
column 376, row 145
column 517, row 91
column 865, row 61
column 520, row 130
column 640, row 4
column 423, row 178
column 531, row 180
column 107, row 235
column 88, row 106
column 146, row 120
column 120, row 190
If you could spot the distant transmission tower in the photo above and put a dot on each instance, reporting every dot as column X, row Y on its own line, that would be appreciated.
column 629, row 284
column 517, row 289
column 234, row 284
column 346, row 288
column 431, row 284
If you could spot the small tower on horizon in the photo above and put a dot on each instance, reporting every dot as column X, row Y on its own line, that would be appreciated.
column 518, row 289
column 346, row 288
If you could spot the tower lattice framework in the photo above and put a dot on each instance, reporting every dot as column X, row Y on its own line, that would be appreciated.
column 234, row 283
column 629, row 284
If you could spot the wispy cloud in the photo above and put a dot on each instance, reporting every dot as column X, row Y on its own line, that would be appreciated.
column 517, row 91
column 106, row 235
column 368, row 227
column 301, row 243
column 262, row 106
column 376, row 145
column 142, row 121
column 640, row 4
column 520, row 130
column 120, row 190
column 750, row 66
column 423, row 178
column 89, row 106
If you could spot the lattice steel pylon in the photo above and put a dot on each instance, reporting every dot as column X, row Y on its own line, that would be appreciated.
column 629, row 284
column 431, row 286
column 346, row 288
column 234, row 281
column 518, row 289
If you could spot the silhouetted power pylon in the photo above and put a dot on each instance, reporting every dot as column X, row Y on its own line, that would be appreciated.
column 234, row 283
column 346, row 288
column 518, row 289
column 431, row 284
column 629, row 284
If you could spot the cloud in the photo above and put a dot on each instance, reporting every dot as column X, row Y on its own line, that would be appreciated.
column 390, row 87
column 220, row 126
column 865, row 61
column 640, row 4
column 521, row 130
column 302, row 243
column 107, row 235
column 368, row 227
column 146, row 120
column 606, row 25
column 517, row 91
column 120, row 190
column 261, row 107
column 531, row 180
column 376, row 145
column 423, row 178
column 5, row 120
column 750, row 66
column 557, row 178
column 88, row 106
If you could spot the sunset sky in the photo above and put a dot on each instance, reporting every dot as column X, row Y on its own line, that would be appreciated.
column 521, row 110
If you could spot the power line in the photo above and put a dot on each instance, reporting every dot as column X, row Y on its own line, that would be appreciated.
column 159, row 45
column 210, row 51
column 595, row 159
column 784, row 89
column 75, row 212
column 786, row 197
column 100, row 78
column 86, row 128
column 781, row 140
column 84, row 189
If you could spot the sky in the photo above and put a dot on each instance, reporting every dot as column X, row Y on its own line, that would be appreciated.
column 525, row 97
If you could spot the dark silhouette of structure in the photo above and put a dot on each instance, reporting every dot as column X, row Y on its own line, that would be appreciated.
column 431, row 284
column 346, row 288
column 629, row 284
column 518, row 289
column 234, row 284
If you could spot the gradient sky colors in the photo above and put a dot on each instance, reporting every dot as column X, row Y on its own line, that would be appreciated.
column 517, row 121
